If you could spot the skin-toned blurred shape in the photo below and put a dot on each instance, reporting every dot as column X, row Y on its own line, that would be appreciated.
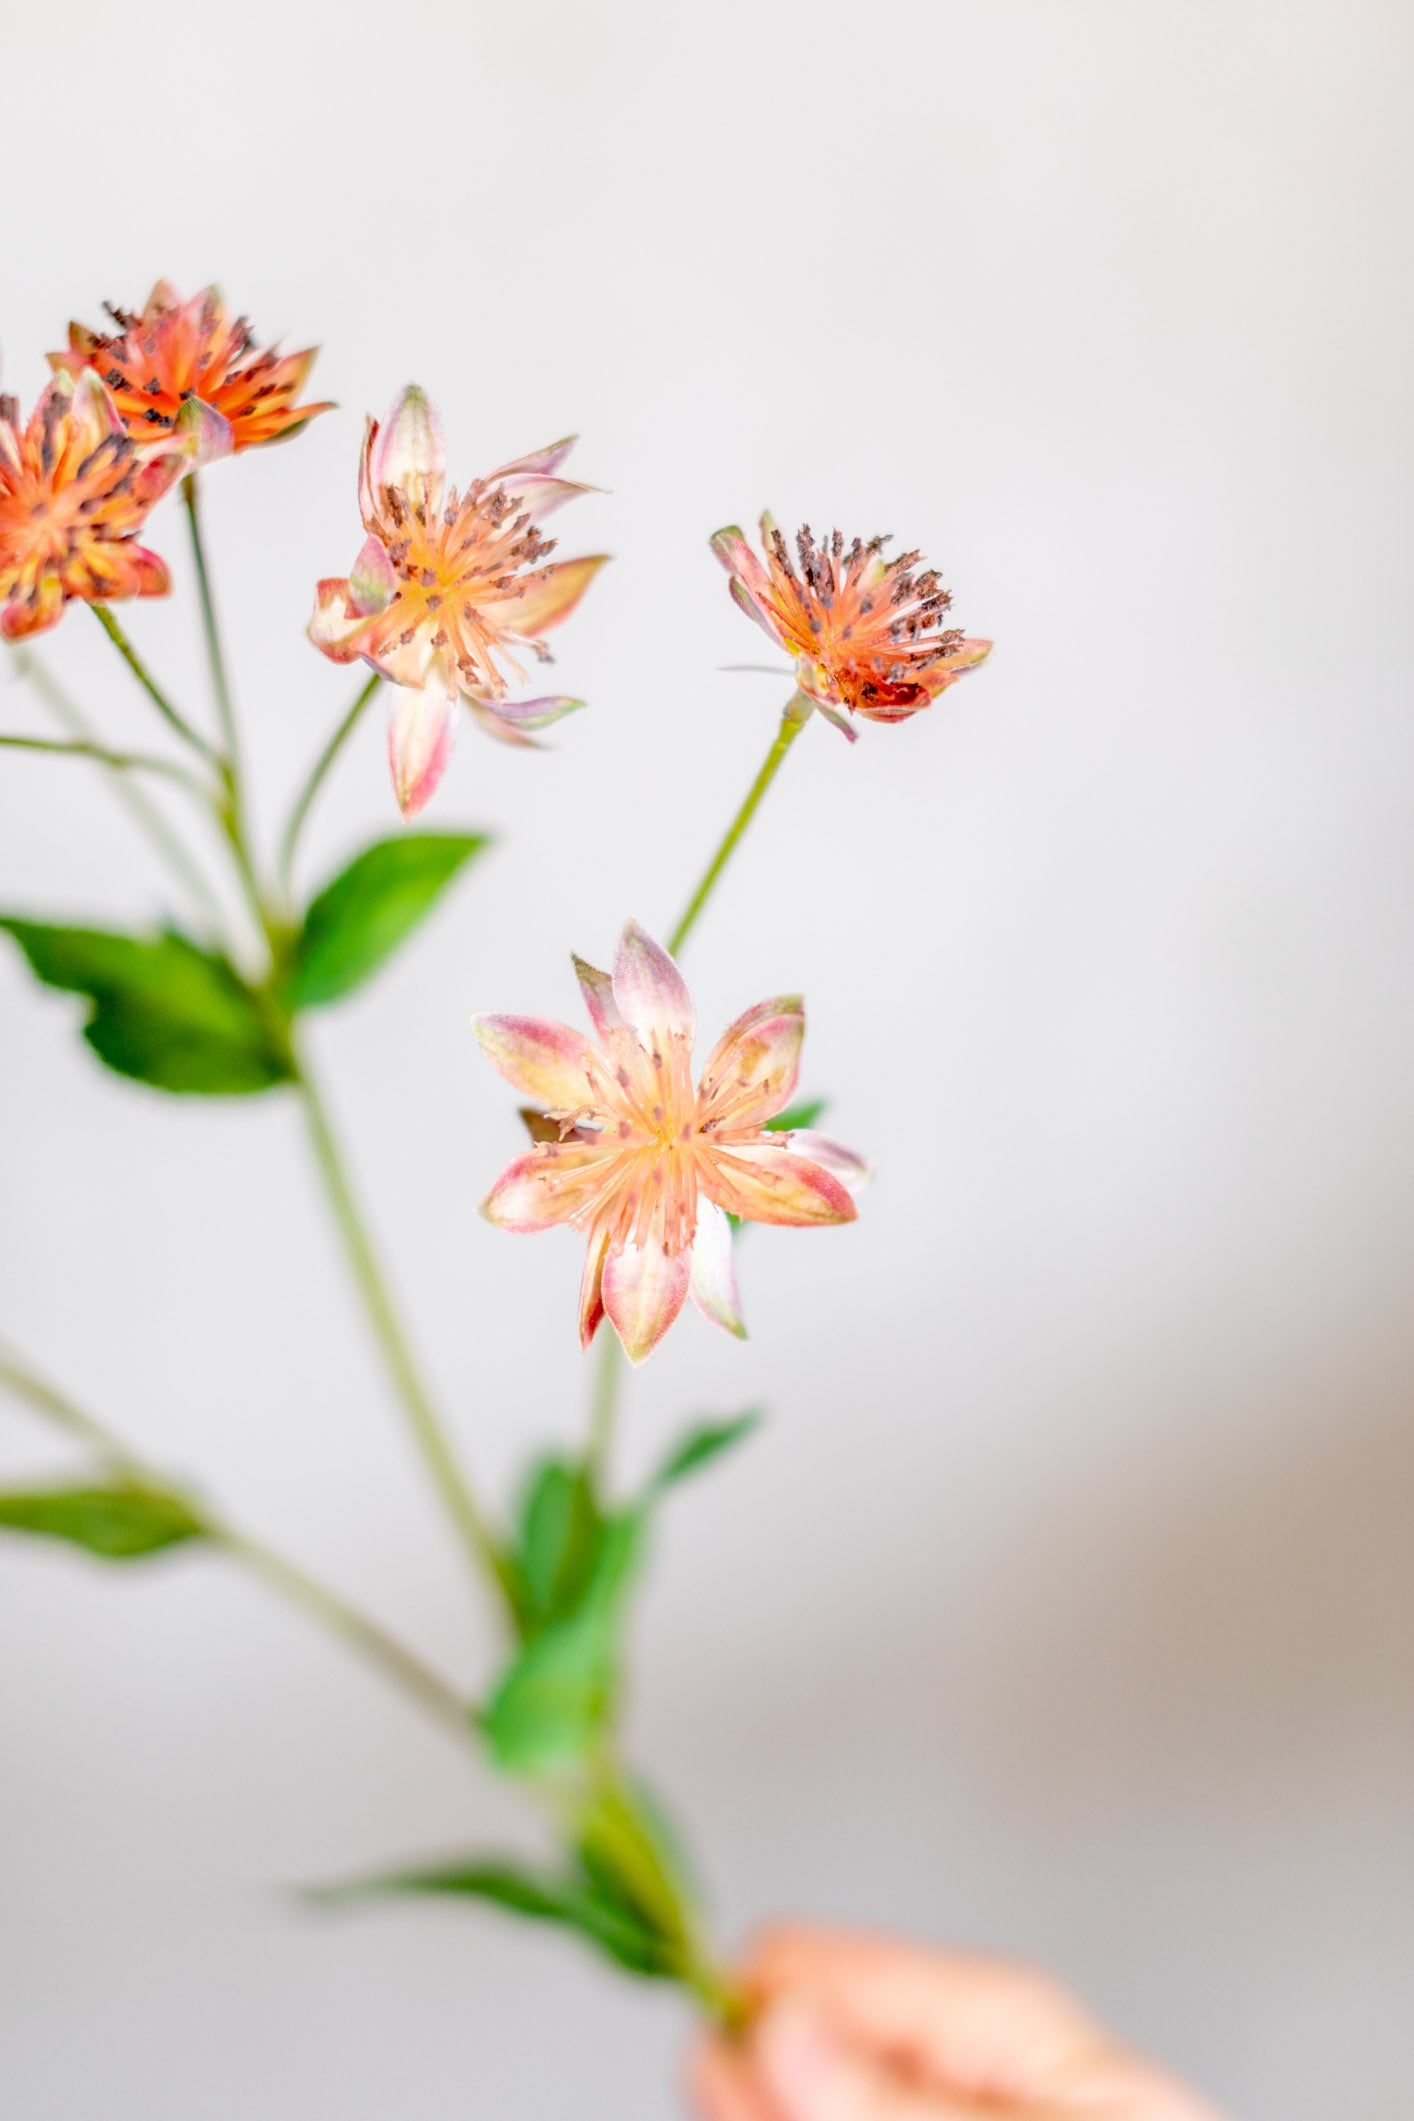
column 447, row 586
column 867, row 633
column 854, row 2027
column 650, row 1167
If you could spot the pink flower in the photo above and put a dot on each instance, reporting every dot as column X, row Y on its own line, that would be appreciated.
column 866, row 633
column 446, row 587
column 650, row 1167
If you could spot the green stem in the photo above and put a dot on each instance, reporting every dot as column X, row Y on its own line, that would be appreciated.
column 603, row 1409
column 334, row 1612
column 153, row 690
column 797, row 713
column 219, row 681
column 312, row 786
column 432, row 1441
column 120, row 761
column 144, row 813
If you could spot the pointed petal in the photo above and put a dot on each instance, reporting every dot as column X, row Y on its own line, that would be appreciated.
column 556, row 1182
column 645, row 1287
column 547, row 599
column 422, row 728
column 713, row 1285
column 591, row 1287
column 651, row 993
column 756, row 608
column 334, row 625
column 540, row 461
column 409, row 451
column 540, row 496
column 36, row 613
column 739, row 559
column 207, row 433
column 372, row 579
column 533, row 714
column 966, row 656
column 837, row 720
column 598, row 991
column 495, row 725
column 538, row 1057
column 753, row 1069
column 852, row 1170
column 766, row 1183
column 92, row 411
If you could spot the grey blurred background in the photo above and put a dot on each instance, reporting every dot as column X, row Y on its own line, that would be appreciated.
column 1064, row 1604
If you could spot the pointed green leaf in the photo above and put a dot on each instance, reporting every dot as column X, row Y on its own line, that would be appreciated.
column 560, row 1529
column 164, row 1011
column 362, row 915
column 700, row 1446
column 117, row 1523
column 806, row 1114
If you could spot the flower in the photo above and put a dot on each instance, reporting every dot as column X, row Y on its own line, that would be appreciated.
column 445, row 584
column 650, row 1167
column 191, row 368
column 866, row 632
column 73, row 490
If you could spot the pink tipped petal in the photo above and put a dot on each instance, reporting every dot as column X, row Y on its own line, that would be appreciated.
column 591, row 1287
column 207, row 433
column 493, row 723
column 539, row 463
column 93, row 411
column 334, row 626
column 713, row 1285
column 540, row 1058
column 422, row 728
column 651, row 993
column 837, row 720
column 598, row 991
column 409, row 451
column 764, row 1183
column 373, row 579
column 541, row 496
column 645, row 1287
column 759, row 610
column 852, row 1170
column 557, row 1182
column 754, row 1067
column 738, row 558
column 546, row 600
column 534, row 714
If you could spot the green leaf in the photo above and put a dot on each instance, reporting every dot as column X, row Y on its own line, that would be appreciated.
column 700, row 1446
column 164, row 1012
column 574, row 1902
column 117, row 1523
column 805, row 1114
column 558, row 1694
column 363, row 914
column 560, row 1531
column 631, row 1856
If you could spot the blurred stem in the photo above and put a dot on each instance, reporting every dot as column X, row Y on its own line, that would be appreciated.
column 120, row 761
column 797, row 712
column 219, row 681
column 431, row 1438
column 334, row 1612
column 603, row 1407
column 158, row 697
column 312, row 786
column 144, row 813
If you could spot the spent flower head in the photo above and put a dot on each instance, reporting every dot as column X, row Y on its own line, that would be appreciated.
column 191, row 368
column 867, row 633
column 447, row 587
column 650, row 1166
column 74, row 490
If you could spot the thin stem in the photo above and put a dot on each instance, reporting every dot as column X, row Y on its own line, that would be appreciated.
column 312, row 786
column 153, row 690
column 603, row 1409
column 220, row 683
column 437, row 1452
column 120, row 761
column 793, row 720
column 139, row 806
column 333, row 1611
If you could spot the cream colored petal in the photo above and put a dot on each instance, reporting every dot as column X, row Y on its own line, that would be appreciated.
column 765, row 1182
column 546, row 1061
column 753, row 1069
column 546, row 600
column 852, row 1170
column 591, row 1287
column 422, row 728
column 713, row 1285
column 598, row 991
column 651, row 993
column 409, row 452
column 557, row 1182
column 645, row 1287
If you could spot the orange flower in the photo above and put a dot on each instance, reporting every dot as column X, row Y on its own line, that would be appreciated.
column 446, row 584
column 191, row 367
column 867, row 633
column 74, row 488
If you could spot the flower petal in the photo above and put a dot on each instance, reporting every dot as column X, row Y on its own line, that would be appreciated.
column 34, row 613
column 852, row 1170
column 422, row 728
column 757, row 609
column 598, row 991
column 207, row 433
column 645, row 1287
column 767, row 1183
column 556, row 1182
column 836, row 720
column 540, row 461
column 334, row 625
column 373, row 579
column 533, row 714
column 409, row 451
column 591, row 1287
column 540, row 496
column 651, row 993
column 495, row 725
column 540, row 1058
column 737, row 556
column 713, row 1284
column 753, row 1069
column 546, row 600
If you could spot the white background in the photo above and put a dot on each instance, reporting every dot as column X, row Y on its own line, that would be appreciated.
column 1064, row 1603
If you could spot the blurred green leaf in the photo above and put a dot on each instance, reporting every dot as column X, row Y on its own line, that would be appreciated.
column 362, row 915
column 560, row 1528
column 631, row 1855
column 575, row 1902
column 116, row 1523
column 164, row 1011
column 700, row 1446
column 805, row 1114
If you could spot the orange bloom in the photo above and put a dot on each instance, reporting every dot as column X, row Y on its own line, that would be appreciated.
column 191, row 367
column 74, row 488
column 447, row 586
column 867, row 633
